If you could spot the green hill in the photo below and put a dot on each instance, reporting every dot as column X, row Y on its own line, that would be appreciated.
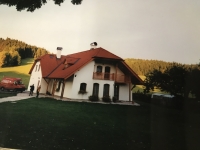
column 12, row 52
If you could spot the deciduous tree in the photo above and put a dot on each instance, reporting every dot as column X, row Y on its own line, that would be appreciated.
column 172, row 80
column 31, row 5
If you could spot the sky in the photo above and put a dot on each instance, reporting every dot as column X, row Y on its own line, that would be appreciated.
column 141, row 29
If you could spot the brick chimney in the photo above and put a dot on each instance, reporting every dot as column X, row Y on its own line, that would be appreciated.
column 58, row 55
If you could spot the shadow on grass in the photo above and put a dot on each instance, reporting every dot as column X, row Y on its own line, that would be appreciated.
column 46, row 123
column 27, row 61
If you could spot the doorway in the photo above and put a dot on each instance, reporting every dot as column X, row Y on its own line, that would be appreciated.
column 107, row 73
column 116, row 91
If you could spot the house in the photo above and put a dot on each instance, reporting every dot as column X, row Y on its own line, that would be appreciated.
column 95, row 72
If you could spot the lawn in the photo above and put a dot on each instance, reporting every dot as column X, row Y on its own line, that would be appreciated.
column 46, row 123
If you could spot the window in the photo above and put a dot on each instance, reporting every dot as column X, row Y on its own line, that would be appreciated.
column 99, row 68
column 106, row 88
column 95, row 89
column 83, row 86
column 36, row 68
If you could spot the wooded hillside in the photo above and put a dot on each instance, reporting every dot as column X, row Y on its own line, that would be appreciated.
column 142, row 67
column 12, row 51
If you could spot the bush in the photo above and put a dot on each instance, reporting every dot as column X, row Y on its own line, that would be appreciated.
column 93, row 98
column 114, row 99
column 82, row 92
column 106, row 99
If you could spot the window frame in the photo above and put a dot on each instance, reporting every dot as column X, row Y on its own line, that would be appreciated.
column 83, row 87
column 95, row 91
column 99, row 69
column 106, row 90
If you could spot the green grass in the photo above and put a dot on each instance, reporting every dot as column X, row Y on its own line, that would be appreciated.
column 18, row 71
column 45, row 123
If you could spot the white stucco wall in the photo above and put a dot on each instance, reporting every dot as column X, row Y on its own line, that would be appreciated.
column 124, row 92
column 36, row 77
column 101, row 87
column 43, row 84
column 67, row 90
column 84, row 75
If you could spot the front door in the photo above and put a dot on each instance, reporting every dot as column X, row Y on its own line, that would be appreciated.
column 116, row 91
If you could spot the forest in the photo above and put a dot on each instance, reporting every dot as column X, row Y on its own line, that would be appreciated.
column 13, row 51
column 143, row 67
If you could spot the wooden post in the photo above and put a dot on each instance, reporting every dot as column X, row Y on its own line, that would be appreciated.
column 63, row 88
column 54, row 87
column 130, row 90
column 47, row 86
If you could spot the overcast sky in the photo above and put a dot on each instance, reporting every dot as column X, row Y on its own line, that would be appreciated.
column 143, row 29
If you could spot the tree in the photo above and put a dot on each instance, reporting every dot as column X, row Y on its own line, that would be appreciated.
column 15, row 59
column 9, row 58
column 172, row 80
column 193, row 81
column 40, row 52
column 31, row 5
column 2, row 58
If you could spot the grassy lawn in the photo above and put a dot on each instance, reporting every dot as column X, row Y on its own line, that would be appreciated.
column 45, row 123
column 18, row 71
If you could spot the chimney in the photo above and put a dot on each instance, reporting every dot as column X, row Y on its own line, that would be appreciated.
column 58, row 55
column 93, row 45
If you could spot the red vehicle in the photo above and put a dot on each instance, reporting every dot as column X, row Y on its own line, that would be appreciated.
column 14, row 84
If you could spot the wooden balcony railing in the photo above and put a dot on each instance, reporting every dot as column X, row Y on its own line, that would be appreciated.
column 120, row 78
column 103, row 76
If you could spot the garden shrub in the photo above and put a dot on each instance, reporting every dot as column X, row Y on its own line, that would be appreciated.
column 106, row 99
column 93, row 98
column 114, row 99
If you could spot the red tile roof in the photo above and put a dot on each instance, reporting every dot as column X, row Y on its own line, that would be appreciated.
column 66, row 66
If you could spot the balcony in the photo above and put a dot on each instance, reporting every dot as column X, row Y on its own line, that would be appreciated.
column 119, row 78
